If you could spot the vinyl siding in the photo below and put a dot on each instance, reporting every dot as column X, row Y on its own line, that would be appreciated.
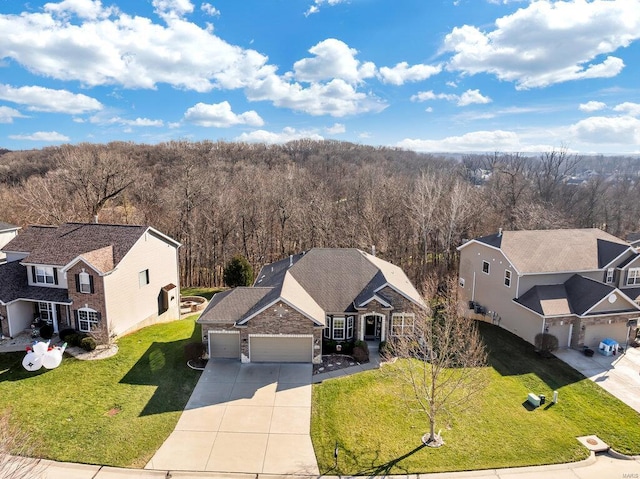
column 130, row 306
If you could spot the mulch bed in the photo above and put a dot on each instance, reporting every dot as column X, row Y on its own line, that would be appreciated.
column 333, row 362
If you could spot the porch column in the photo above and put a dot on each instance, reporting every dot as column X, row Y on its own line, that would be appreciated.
column 361, row 328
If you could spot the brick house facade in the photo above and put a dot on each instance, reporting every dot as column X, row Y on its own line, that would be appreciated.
column 330, row 294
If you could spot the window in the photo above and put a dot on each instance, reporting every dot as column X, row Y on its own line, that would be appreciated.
column 338, row 328
column 507, row 278
column 84, row 280
column 349, row 327
column 485, row 267
column 143, row 278
column 44, row 275
column 610, row 275
column 46, row 312
column 633, row 276
column 402, row 324
column 87, row 320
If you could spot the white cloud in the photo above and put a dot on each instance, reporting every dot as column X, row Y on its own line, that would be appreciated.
column 469, row 97
column 46, row 99
column 631, row 109
column 315, row 8
column 220, row 116
column 592, row 106
column 452, row 84
column 429, row 109
column 524, row 46
column 403, row 73
column 172, row 8
column 8, row 114
column 336, row 98
column 476, row 141
column 336, row 129
column 210, row 10
column 116, row 120
column 615, row 130
column 365, row 135
column 136, row 53
column 51, row 136
column 87, row 9
column 333, row 59
column 287, row 134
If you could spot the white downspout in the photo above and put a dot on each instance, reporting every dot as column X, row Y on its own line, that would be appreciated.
column 570, row 334
column 473, row 287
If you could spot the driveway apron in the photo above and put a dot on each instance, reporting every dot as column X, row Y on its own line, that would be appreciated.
column 245, row 418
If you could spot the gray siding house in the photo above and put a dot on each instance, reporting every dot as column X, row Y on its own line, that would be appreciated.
column 326, row 293
column 103, row 279
column 581, row 285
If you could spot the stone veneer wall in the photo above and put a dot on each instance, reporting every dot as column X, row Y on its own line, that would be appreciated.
column 4, row 323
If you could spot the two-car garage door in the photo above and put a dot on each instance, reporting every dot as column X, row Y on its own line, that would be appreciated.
column 263, row 348
column 280, row 349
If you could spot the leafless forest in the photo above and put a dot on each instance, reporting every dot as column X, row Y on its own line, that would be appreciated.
column 265, row 202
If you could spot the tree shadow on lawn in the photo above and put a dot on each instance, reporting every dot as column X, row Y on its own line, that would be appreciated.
column 510, row 355
column 163, row 365
column 385, row 469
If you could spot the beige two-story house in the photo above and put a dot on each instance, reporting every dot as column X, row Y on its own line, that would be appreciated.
column 581, row 285
column 330, row 294
column 103, row 279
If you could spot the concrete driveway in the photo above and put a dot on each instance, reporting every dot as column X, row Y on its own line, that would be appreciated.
column 620, row 374
column 244, row 418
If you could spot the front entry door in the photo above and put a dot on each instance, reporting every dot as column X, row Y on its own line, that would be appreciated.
column 372, row 327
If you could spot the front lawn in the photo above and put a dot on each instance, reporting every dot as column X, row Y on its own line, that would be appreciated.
column 115, row 411
column 200, row 291
column 377, row 433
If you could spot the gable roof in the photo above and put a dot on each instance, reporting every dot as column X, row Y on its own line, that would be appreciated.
column 230, row 306
column 561, row 250
column 578, row 295
column 319, row 282
column 101, row 245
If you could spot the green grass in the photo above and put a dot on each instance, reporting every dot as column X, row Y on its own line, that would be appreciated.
column 378, row 433
column 67, row 410
column 200, row 291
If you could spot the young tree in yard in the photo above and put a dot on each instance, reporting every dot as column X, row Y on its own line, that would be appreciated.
column 238, row 272
column 441, row 358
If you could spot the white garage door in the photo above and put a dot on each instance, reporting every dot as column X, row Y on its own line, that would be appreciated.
column 281, row 349
column 224, row 345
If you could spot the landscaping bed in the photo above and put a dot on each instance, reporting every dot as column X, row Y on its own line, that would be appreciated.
column 378, row 432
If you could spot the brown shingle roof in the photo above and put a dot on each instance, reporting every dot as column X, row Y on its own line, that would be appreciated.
column 548, row 251
column 14, row 285
column 57, row 246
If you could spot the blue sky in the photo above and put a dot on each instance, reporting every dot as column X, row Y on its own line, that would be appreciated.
column 427, row 75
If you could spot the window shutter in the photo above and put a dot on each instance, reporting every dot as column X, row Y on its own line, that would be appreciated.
column 77, row 276
column 626, row 277
column 33, row 274
column 605, row 276
column 75, row 317
column 99, row 316
column 91, row 283
column 55, row 275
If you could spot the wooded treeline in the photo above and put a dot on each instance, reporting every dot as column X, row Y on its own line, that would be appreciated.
column 268, row 201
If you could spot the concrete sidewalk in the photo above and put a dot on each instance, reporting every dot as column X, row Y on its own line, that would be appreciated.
column 596, row 467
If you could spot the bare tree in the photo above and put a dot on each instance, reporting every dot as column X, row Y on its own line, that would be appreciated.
column 95, row 174
column 442, row 357
column 16, row 451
